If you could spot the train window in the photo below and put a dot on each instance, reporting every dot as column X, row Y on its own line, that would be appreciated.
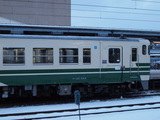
column 134, row 54
column 114, row 55
column 42, row 55
column 149, row 48
column 68, row 55
column 13, row 55
column 144, row 49
column 86, row 55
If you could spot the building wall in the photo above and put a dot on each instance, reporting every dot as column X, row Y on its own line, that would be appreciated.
column 36, row 12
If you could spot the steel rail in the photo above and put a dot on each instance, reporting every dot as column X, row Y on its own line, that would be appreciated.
column 89, row 108
column 94, row 113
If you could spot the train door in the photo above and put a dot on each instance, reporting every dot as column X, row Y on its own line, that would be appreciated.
column 115, row 62
column 134, row 60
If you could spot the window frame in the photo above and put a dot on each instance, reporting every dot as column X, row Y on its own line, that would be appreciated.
column 15, row 56
column 87, row 56
column 134, row 56
column 45, row 57
column 144, row 49
column 149, row 48
column 68, row 55
column 114, row 59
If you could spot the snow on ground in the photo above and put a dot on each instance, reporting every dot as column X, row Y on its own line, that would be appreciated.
column 152, row 114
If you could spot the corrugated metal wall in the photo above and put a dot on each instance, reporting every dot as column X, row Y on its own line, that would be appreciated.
column 36, row 12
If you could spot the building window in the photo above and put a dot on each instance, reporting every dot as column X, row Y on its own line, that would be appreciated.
column 86, row 55
column 42, row 55
column 134, row 54
column 114, row 55
column 13, row 55
column 144, row 49
column 68, row 55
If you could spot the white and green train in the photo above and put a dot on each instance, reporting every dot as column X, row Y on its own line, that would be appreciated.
column 33, row 65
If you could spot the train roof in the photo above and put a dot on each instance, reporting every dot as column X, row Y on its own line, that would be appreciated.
column 155, row 52
column 73, row 38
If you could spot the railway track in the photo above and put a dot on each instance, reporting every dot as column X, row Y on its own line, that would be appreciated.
column 84, row 111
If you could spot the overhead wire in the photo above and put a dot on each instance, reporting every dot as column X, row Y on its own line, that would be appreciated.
column 107, row 6
column 107, row 11
column 118, row 12
column 151, row 1
column 88, row 5
column 124, row 19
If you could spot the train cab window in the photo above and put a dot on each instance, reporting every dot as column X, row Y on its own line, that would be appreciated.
column 149, row 48
column 86, row 55
column 13, row 55
column 134, row 54
column 114, row 55
column 68, row 55
column 144, row 49
column 42, row 55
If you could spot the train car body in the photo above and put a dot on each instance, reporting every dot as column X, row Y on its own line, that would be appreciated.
column 154, row 82
column 155, row 59
column 41, row 65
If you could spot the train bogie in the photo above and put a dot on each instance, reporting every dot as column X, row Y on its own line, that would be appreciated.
column 30, row 65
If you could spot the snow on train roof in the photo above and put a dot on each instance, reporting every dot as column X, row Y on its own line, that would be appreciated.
column 72, row 37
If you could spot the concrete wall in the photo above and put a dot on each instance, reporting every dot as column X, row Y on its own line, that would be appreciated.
column 36, row 12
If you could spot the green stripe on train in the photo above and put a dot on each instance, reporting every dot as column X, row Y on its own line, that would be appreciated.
column 71, row 78
column 69, row 70
column 143, row 64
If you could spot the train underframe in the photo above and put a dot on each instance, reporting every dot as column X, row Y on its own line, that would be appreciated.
column 54, row 91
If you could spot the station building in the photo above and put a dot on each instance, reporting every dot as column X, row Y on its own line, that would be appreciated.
column 36, row 12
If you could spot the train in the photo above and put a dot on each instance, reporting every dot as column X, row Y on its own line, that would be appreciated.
column 50, row 66
column 154, row 82
column 155, row 59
